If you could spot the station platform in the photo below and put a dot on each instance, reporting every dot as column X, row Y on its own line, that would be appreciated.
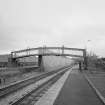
column 74, row 91
column 77, row 91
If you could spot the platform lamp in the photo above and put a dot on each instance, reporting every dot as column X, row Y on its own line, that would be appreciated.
column 86, row 48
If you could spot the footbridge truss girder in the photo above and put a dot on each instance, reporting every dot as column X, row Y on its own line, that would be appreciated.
column 50, row 51
column 47, row 51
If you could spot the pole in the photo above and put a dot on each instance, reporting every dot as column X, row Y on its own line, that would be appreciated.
column 85, row 59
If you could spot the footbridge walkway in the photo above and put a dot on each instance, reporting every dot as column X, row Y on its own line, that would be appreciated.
column 49, row 51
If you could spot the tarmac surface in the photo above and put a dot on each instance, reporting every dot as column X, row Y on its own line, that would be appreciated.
column 77, row 91
column 98, row 80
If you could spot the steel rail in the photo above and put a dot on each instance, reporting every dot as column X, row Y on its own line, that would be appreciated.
column 40, row 88
column 18, row 85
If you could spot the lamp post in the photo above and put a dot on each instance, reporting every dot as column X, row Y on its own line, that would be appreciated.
column 86, row 47
column 86, row 56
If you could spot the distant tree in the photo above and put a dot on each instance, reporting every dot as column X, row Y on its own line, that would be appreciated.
column 92, row 59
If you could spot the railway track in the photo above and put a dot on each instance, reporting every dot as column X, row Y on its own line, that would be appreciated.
column 18, row 85
column 31, row 97
column 4, row 92
column 34, row 95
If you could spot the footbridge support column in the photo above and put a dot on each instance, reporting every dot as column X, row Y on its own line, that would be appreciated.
column 40, row 62
column 12, row 62
column 85, row 60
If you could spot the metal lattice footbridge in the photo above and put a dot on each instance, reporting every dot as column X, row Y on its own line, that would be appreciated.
column 49, row 51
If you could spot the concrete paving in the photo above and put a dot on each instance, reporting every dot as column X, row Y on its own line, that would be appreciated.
column 97, row 81
column 77, row 91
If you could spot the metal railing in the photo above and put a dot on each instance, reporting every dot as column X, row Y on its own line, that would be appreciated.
column 47, row 51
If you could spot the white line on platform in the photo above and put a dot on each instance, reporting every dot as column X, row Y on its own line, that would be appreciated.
column 49, row 97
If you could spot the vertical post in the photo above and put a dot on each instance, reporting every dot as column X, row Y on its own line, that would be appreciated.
column 63, row 49
column 12, row 62
column 85, row 59
column 27, row 52
column 40, row 62
column 80, row 68
column 44, row 49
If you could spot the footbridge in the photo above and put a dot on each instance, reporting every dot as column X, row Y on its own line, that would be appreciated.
column 49, row 51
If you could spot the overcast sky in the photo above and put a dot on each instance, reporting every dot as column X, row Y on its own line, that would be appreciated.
column 34, row 23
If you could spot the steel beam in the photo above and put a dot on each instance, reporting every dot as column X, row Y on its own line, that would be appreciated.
column 27, row 52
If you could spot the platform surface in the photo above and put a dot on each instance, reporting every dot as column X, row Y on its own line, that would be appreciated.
column 77, row 91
